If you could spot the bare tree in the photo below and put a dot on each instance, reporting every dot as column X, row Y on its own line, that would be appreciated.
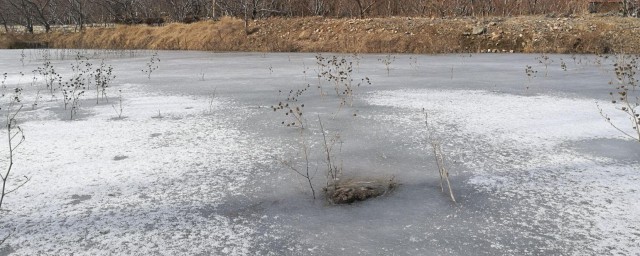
column 213, row 10
column 41, row 11
column 319, row 7
column 81, row 12
column 23, row 13
column 4, row 15
column 76, row 12
column 116, row 10
column 364, row 7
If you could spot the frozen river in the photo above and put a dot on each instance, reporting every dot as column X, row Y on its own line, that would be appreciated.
column 194, row 166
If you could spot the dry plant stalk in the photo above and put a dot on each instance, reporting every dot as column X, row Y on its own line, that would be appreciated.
column 305, row 171
column 212, row 99
column 437, row 152
column 333, row 171
column 444, row 173
column 119, row 109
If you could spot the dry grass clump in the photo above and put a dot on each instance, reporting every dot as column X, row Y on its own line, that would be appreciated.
column 224, row 35
column 5, row 41
column 353, row 190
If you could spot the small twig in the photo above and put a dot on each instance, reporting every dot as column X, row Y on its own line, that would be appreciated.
column 16, row 188
column 608, row 120
column 304, row 175
column 7, row 237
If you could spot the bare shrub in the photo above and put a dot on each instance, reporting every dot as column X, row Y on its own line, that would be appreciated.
column 15, row 138
column 78, row 83
column 626, row 96
column 546, row 61
column 531, row 73
column 338, row 71
column 151, row 65
column 305, row 170
column 103, row 76
column 51, row 78
column 304, row 150
column 292, row 109
column 387, row 60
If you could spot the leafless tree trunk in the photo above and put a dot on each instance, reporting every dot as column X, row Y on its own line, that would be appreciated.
column 23, row 13
column 3, row 17
column 41, row 12
column 364, row 8
column 626, row 7
column 213, row 10
column 81, row 12
column 76, row 12
column 318, row 7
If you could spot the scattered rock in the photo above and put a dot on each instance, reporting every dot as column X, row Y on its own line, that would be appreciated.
column 478, row 30
column 304, row 35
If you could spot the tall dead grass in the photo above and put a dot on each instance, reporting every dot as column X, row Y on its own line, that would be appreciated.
column 5, row 41
column 588, row 34
column 224, row 35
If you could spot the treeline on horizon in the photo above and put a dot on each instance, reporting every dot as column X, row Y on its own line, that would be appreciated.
column 47, row 13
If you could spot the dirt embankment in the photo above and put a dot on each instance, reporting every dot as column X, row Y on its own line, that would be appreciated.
column 585, row 34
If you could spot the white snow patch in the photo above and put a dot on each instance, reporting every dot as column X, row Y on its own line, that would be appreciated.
column 139, row 185
column 539, row 119
column 512, row 145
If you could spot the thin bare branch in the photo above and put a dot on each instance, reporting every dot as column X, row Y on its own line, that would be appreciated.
column 19, row 186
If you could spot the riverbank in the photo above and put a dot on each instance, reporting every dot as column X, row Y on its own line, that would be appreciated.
column 525, row 34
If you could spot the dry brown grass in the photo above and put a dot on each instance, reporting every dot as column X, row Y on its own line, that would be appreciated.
column 586, row 34
column 5, row 41
column 353, row 190
column 222, row 36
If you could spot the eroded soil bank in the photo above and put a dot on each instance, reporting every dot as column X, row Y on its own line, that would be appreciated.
column 528, row 34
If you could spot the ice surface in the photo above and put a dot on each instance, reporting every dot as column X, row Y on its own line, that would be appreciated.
column 535, row 168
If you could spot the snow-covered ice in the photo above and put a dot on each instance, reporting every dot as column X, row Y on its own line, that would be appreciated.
column 535, row 168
